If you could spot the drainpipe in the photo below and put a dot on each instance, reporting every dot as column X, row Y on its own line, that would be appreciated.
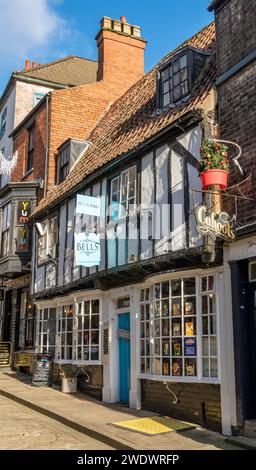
column 46, row 146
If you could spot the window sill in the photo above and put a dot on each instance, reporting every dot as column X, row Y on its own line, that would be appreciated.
column 27, row 174
column 78, row 363
column 167, row 378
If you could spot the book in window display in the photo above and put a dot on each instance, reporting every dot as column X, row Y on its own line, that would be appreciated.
column 177, row 367
column 190, row 346
column 157, row 328
column 176, row 310
column 165, row 308
column 190, row 367
column 189, row 328
column 189, row 307
column 166, row 348
column 176, row 328
column 166, row 367
column 165, row 327
column 176, row 347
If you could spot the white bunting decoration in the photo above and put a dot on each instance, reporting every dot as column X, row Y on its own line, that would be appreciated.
column 7, row 163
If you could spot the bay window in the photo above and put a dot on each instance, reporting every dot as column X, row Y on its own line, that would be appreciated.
column 177, row 321
column 6, row 223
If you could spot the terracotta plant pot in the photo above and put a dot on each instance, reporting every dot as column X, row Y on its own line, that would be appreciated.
column 214, row 177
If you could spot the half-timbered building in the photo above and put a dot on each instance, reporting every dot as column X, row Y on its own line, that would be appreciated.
column 150, row 325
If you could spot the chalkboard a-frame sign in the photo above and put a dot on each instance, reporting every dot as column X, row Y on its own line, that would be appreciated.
column 42, row 371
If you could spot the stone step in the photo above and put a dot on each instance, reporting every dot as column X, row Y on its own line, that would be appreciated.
column 250, row 428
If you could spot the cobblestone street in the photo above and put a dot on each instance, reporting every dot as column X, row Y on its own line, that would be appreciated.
column 21, row 428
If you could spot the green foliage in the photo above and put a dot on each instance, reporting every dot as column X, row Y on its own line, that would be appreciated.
column 213, row 156
column 68, row 371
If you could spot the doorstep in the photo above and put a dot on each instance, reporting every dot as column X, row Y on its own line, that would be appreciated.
column 241, row 441
column 94, row 418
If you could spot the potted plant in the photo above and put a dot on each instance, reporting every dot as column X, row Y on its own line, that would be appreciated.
column 68, row 374
column 213, row 165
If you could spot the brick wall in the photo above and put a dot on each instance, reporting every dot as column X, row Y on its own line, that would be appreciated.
column 198, row 403
column 236, row 32
column 20, row 143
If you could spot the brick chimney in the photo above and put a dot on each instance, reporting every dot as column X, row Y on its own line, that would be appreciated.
column 120, row 53
column 27, row 64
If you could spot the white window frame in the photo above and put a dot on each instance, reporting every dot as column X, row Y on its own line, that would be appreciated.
column 5, row 228
column 40, row 319
column 123, row 202
column 74, row 301
column 199, row 377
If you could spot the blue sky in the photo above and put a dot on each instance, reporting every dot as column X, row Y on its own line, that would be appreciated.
column 44, row 30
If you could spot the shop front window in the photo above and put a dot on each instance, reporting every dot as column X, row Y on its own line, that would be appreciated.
column 209, row 328
column 65, row 333
column 88, row 331
column 170, row 334
column 26, row 332
column 46, row 331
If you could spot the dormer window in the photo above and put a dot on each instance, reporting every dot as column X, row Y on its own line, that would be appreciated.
column 174, row 80
column 177, row 76
column 68, row 154
column 64, row 156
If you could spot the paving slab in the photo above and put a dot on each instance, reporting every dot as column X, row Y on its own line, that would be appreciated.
column 93, row 418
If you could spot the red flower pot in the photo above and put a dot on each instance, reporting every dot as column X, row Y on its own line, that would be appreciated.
column 214, row 177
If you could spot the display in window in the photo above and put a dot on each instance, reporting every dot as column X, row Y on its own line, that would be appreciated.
column 86, row 353
column 190, row 367
column 157, row 291
column 189, row 307
column 157, row 366
column 205, row 325
column 190, row 346
column 204, row 284
column 213, row 324
column 94, row 353
column 157, row 309
column 189, row 328
column 176, row 347
column 166, row 348
column 165, row 308
column 142, row 348
column 204, row 305
column 165, row 327
column 177, row 367
column 212, row 308
column 166, row 367
column 176, row 308
column 176, row 328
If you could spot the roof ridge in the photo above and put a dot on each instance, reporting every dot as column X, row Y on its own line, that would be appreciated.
column 54, row 62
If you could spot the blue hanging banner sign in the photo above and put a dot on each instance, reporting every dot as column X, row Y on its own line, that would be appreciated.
column 88, row 205
column 87, row 249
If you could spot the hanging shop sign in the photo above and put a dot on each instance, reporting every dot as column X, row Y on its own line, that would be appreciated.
column 23, row 212
column 215, row 225
column 5, row 353
column 88, row 205
column 42, row 371
column 87, row 249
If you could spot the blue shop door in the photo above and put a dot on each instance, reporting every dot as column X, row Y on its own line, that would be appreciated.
column 124, row 356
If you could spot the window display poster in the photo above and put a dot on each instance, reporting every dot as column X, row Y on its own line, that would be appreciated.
column 190, row 346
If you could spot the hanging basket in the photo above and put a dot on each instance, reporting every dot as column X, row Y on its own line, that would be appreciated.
column 214, row 177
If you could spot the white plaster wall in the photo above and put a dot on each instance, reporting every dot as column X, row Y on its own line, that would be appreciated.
column 5, row 142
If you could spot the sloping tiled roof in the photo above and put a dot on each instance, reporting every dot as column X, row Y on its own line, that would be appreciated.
column 215, row 4
column 69, row 71
column 133, row 119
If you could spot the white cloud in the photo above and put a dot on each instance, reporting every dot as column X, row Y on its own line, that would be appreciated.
column 32, row 29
